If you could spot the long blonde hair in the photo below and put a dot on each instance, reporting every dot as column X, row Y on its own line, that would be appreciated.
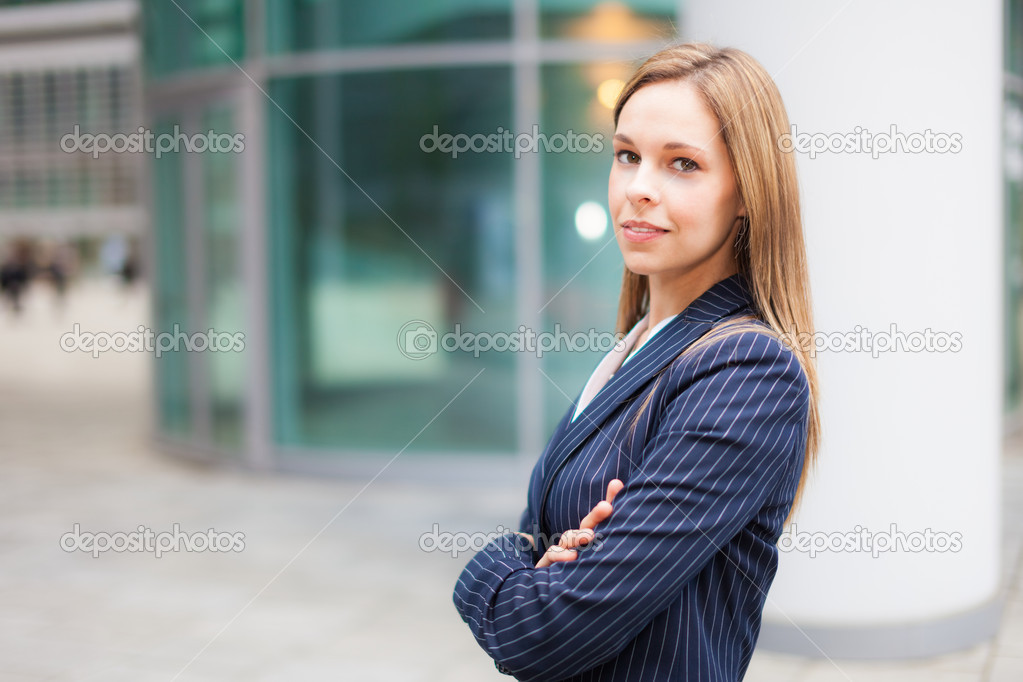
column 770, row 252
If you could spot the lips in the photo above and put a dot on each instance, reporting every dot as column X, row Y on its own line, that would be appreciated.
column 639, row 231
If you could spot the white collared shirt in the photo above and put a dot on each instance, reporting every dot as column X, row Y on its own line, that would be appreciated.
column 615, row 360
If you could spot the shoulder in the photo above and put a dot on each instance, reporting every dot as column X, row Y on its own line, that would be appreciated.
column 741, row 350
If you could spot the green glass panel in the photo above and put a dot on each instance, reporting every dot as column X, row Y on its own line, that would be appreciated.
column 582, row 266
column 224, row 298
column 189, row 34
column 1014, row 37
column 1013, row 163
column 301, row 25
column 378, row 249
column 169, row 281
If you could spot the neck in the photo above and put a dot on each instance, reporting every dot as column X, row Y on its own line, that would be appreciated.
column 671, row 295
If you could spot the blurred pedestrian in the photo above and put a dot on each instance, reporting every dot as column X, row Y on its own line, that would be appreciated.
column 130, row 266
column 16, row 272
column 57, row 265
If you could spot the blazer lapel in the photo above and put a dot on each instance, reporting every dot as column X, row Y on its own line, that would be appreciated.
column 723, row 299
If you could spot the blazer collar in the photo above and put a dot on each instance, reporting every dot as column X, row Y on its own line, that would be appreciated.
column 724, row 298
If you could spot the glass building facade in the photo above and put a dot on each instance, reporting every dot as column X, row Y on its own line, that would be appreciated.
column 54, row 181
column 349, row 248
column 1013, row 159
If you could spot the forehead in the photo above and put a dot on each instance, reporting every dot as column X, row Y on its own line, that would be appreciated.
column 670, row 111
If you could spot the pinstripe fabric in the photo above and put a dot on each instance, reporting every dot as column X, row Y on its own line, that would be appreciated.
column 613, row 361
column 675, row 586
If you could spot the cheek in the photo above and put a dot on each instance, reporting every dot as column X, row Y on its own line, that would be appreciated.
column 726, row 202
column 615, row 193
column 684, row 213
column 702, row 213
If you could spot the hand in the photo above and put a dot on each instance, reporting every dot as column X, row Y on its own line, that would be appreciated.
column 577, row 537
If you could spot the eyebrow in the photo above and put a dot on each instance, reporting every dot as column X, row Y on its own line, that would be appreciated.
column 667, row 145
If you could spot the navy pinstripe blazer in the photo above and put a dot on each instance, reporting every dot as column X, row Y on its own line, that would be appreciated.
column 674, row 585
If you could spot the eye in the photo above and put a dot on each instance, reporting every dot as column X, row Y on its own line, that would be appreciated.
column 625, row 156
column 685, row 165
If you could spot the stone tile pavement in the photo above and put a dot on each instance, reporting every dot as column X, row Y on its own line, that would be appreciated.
column 331, row 584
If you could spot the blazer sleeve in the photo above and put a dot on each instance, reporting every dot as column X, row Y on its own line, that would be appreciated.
column 731, row 429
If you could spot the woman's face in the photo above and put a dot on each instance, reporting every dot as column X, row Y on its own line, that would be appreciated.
column 672, row 192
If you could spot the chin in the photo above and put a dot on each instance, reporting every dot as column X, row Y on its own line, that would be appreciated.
column 647, row 261
column 641, row 268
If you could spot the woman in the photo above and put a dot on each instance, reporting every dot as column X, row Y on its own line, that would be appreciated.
column 689, row 446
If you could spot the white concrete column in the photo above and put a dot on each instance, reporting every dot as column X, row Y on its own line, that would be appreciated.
column 912, row 440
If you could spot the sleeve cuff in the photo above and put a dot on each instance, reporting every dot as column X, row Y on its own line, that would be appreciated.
column 484, row 575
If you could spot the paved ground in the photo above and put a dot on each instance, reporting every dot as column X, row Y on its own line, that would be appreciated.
column 331, row 584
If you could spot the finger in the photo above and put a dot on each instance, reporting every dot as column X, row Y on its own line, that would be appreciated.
column 575, row 538
column 603, row 509
column 555, row 554
column 613, row 488
column 528, row 537
column 599, row 513
column 562, row 554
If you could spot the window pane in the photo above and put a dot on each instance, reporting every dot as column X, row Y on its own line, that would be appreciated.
column 1014, row 37
column 582, row 263
column 299, row 25
column 169, row 300
column 224, row 298
column 355, row 293
column 1013, row 164
column 192, row 33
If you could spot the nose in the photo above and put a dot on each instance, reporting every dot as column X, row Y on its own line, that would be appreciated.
column 643, row 187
